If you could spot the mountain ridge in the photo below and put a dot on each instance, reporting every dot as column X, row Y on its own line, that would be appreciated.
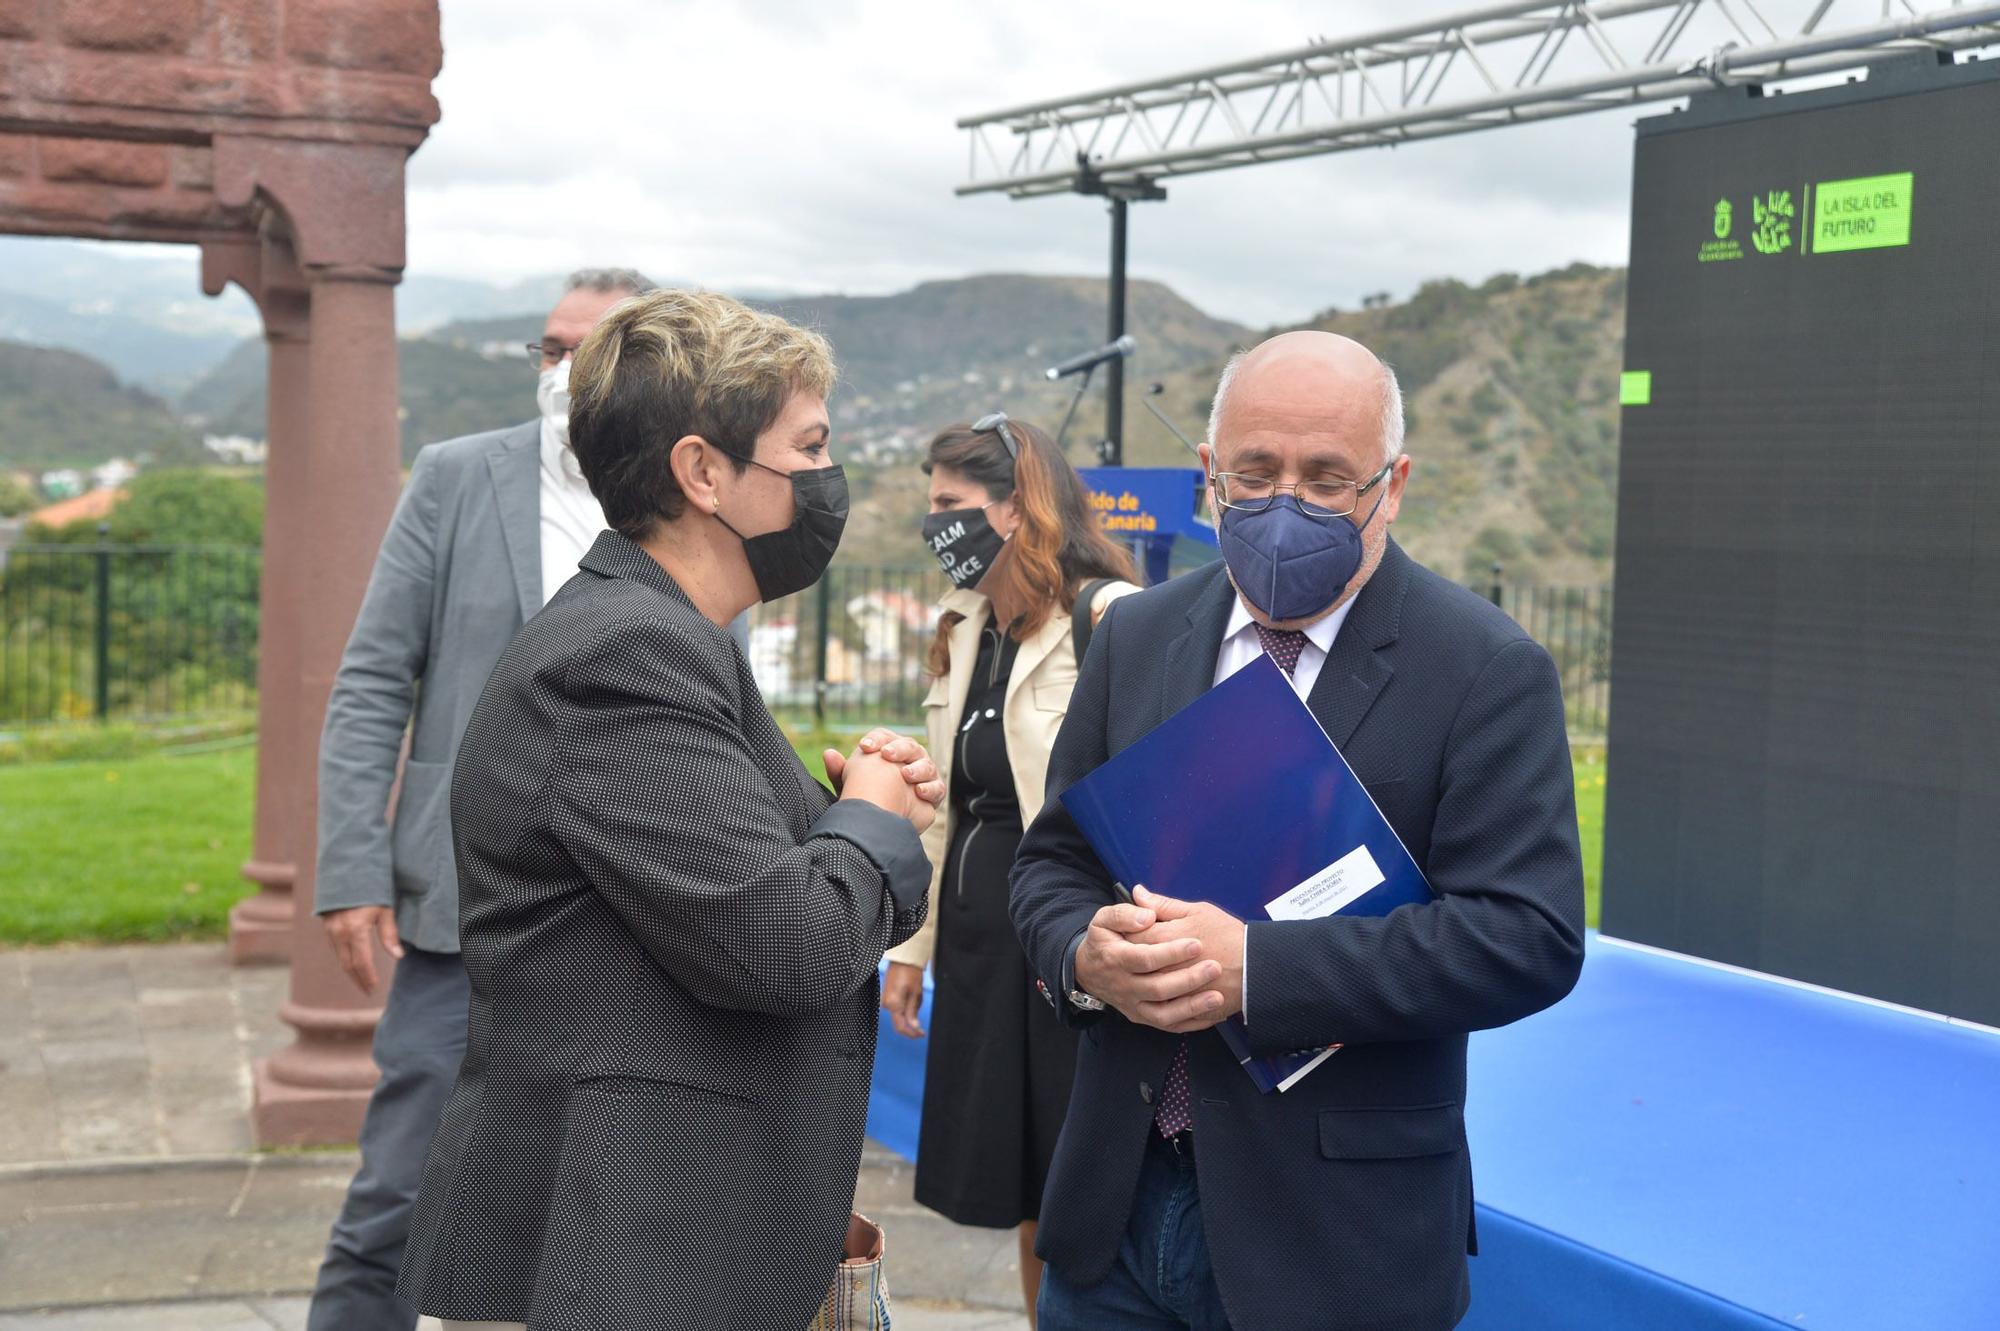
column 1510, row 384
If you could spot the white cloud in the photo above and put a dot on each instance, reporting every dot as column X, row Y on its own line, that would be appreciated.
column 811, row 147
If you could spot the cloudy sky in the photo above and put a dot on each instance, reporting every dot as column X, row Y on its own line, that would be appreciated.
column 810, row 146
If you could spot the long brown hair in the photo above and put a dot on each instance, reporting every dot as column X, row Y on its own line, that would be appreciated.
column 1059, row 545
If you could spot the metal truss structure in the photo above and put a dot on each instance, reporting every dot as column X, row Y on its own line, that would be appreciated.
column 1505, row 64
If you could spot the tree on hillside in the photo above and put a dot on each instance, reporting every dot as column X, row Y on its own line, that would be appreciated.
column 185, row 507
column 15, row 498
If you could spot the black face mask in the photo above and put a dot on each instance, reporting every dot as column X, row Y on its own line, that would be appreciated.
column 964, row 542
column 793, row 558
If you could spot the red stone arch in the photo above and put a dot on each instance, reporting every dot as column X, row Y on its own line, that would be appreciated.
column 272, row 134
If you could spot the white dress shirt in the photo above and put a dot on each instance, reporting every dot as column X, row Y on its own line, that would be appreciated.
column 1240, row 647
column 571, row 518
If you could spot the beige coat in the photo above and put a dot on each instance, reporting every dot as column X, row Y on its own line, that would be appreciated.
column 1038, row 692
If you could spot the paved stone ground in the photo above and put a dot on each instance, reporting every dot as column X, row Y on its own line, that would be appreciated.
column 130, row 1197
column 131, row 1052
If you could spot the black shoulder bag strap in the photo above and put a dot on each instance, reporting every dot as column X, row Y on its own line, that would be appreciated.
column 1080, row 625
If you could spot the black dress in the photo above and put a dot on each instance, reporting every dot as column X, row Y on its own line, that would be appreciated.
column 997, row 1076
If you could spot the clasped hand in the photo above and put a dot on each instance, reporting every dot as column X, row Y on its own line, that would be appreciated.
column 890, row 771
column 1176, row 965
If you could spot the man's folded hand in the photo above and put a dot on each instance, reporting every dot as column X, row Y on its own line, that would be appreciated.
column 1167, row 982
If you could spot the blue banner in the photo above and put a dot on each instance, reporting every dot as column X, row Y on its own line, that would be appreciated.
column 1147, row 503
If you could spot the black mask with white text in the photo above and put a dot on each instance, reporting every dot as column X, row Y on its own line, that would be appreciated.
column 964, row 543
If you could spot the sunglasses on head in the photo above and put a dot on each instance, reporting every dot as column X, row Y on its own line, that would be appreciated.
column 998, row 421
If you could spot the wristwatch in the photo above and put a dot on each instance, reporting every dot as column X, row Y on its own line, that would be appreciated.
column 1078, row 999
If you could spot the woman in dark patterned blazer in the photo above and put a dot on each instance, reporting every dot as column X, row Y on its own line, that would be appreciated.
column 671, row 930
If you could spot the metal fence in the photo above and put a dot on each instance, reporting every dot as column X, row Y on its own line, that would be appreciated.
column 128, row 631
column 850, row 649
column 104, row 631
column 1574, row 624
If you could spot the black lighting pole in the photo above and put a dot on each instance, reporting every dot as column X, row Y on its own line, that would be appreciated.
column 1114, row 382
column 1120, row 193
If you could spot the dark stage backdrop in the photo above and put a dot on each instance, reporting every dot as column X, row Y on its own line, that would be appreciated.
column 1804, row 766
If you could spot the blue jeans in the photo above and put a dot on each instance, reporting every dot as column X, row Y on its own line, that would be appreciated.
column 1161, row 1279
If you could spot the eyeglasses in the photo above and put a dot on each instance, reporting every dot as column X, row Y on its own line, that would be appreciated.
column 998, row 421
column 549, row 354
column 1316, row 499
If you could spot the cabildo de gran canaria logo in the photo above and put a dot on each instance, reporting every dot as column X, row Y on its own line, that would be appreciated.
column 1723, row 246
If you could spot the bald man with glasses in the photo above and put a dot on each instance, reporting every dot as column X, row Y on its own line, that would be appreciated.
column 1181, row 1198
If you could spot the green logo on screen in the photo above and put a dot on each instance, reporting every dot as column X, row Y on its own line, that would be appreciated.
column 1868, row 213
column 1773, row 215
column 1722, row 247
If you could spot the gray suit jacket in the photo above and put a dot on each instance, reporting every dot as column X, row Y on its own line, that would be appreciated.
column 459, row 572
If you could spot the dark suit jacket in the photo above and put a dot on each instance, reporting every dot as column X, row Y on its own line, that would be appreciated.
column 672, row 938
column 1345, row 1202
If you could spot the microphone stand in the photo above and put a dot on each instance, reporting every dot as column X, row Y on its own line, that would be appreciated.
column 1158, row 415
column 1082, row 387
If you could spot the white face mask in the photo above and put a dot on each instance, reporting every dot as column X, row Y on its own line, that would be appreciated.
column 552, row 396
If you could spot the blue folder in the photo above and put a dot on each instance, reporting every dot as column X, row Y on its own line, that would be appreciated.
column 1240, row 800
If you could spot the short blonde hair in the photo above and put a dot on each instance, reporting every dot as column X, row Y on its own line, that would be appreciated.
column 673, row 363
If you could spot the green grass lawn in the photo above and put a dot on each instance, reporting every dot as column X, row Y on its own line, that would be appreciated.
column 148, row 848
column 127, row 850
column 1589, row 763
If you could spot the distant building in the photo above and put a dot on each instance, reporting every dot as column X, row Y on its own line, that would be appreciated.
column 64, row 483
column 236, row 449
column 112, row 474
column 772, row 645
column 885, row 618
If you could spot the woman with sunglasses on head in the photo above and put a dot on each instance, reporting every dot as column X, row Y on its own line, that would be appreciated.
column 1011, row 524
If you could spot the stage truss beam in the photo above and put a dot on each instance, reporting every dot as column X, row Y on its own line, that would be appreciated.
column 1505, row 64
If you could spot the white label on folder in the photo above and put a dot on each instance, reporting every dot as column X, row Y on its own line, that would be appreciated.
column 1331, row 889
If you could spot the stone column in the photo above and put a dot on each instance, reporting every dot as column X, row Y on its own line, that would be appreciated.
column 260, row 927
column 316, row 1089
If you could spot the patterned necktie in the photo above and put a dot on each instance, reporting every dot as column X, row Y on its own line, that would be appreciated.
column 1282, row 645
column 1176, row 1109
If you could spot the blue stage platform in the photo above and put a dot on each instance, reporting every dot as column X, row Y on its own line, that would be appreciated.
column 1679, row 1146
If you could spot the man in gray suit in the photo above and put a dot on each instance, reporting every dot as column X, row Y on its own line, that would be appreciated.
column 488, row 528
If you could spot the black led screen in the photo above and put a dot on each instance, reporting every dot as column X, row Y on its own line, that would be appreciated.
column 1804, row 765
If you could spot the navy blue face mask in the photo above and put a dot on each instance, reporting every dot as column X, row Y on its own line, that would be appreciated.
column 1289, row 565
